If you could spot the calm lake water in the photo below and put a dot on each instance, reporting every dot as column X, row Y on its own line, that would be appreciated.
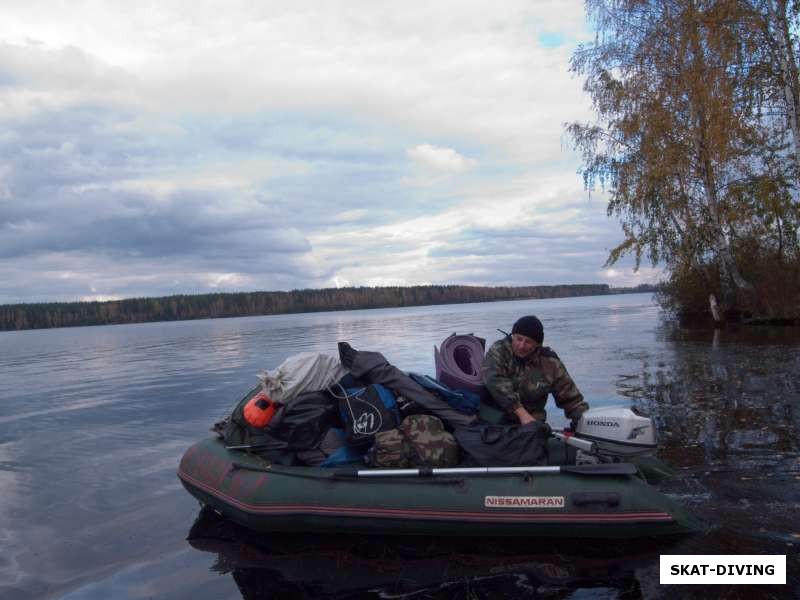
column 94, row 420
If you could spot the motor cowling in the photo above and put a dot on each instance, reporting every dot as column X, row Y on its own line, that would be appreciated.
column 617, row 431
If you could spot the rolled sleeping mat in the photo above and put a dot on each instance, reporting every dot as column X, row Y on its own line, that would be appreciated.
column 458, row 364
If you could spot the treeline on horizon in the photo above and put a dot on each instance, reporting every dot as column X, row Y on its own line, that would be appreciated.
column 244, row 304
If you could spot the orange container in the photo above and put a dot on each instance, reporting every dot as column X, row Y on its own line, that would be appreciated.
column 259, row 410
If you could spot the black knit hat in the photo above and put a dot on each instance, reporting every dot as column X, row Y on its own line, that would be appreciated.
column 530, row 327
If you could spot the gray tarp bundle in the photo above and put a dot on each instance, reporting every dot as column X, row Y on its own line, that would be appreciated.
column 458, row 364
column 372, row 367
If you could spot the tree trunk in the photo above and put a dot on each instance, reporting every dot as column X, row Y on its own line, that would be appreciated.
column 731, row 278
column 712, row 303
column 782, row 40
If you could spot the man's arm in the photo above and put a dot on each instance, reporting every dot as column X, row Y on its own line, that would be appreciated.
column 567, row 395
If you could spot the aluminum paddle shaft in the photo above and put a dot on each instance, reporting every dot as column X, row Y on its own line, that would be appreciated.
column 600, row 469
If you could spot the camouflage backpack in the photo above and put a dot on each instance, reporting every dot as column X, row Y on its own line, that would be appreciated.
column 419, row 441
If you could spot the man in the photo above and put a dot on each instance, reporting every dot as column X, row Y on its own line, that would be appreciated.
column 519, row 373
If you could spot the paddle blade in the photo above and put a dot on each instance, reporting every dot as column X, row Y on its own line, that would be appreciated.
column 601, row 469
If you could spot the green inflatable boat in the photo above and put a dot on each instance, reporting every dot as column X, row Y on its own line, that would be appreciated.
column 611, row 496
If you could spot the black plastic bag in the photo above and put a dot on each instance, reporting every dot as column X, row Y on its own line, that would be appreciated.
column 296, row 427
column 305, row 420
column 505, row 445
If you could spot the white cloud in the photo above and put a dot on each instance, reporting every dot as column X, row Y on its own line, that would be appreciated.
column 439, row 158
column 624, row 275
column 243, row 174
column 154, row 148
column 450, row 68
column 347, row 216
column 225, row 280
column 98, row 298
column 522, row 230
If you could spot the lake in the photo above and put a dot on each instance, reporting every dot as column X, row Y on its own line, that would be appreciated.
column 94, row 420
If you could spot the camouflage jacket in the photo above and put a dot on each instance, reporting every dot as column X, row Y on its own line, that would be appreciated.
column 515, row 382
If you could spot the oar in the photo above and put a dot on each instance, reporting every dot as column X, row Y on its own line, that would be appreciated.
column 599, row 469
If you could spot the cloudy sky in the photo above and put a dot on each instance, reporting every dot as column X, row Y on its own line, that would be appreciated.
column 154, row 148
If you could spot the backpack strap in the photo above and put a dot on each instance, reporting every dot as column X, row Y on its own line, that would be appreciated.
column 346, row 397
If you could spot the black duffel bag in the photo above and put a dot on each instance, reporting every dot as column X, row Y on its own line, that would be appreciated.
column 505, row 445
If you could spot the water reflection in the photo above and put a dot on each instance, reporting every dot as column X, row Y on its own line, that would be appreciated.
column 727, row 404
column 315, row 566
column 735, row 402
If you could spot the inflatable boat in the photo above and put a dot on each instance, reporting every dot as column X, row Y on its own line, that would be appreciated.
column 600, row 483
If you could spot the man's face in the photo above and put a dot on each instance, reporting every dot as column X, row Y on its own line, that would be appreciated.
column 522, row 345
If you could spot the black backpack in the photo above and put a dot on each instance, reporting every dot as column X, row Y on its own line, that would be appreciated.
column 366, row 411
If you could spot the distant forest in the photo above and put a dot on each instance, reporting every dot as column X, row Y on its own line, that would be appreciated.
column 245, row 304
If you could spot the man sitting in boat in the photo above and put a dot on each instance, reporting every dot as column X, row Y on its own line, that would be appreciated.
column 519, row 373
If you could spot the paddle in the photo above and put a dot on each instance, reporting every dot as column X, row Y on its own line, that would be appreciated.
column 599, row 469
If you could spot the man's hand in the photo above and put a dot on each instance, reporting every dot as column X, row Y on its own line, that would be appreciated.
column 576, row 416
column 524, row 416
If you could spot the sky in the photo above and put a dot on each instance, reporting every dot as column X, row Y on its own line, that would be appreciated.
column 171, row 147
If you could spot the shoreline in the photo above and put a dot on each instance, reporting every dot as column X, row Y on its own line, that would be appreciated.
column 55, row 315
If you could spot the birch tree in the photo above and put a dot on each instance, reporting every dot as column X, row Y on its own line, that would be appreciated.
column 777, row 19
column 675, row 144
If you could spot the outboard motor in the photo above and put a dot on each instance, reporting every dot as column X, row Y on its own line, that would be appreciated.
column 612, row 434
